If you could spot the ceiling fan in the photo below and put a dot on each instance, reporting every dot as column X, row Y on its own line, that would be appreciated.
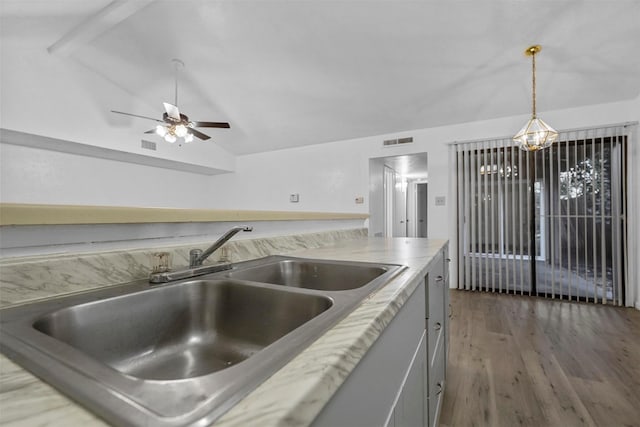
column 174, row 124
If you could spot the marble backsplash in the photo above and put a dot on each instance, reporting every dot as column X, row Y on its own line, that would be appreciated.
column 29, row 278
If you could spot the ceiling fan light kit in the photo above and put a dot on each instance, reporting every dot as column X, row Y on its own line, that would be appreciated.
column 535, row 134
column 175, row 125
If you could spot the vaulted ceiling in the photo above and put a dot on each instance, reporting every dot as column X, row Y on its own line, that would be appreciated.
column 291, row 73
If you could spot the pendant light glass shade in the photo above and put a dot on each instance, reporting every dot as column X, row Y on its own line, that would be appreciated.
column 535, row 134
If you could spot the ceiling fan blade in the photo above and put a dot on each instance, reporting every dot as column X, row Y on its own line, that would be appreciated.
column 172, row 111
column 199, row 134
column 135, row 115
column 151, row 131
column 212, row 125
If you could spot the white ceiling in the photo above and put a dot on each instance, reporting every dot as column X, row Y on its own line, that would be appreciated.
column 292, row 73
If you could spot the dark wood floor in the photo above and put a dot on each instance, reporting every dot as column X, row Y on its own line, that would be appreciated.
column 527, row 361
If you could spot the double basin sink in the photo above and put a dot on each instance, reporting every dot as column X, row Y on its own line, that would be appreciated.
column 183, row 353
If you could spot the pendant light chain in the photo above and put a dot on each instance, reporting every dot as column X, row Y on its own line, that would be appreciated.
column 176, row 85
column 177, row 65
column 533, row 68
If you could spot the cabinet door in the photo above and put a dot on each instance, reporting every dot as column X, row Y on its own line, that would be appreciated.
column 367, row 396
column 411, row 409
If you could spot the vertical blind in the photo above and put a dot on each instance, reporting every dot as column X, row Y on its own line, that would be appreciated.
column 549, row 223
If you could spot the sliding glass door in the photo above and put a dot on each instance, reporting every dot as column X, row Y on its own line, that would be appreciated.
column 549, row 223
column 585, row 218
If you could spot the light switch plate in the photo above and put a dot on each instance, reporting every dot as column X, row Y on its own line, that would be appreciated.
column 440, row 201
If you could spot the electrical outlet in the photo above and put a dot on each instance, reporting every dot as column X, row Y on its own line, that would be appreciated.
column 294, row 198
column 440, row 201
column 359, row 200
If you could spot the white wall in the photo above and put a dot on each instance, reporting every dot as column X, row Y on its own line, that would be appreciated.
column 31, row 175
column 376, row 197
column 328, row 178
column 50, row 103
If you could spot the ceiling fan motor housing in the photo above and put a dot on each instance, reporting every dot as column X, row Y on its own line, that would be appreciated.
column 168, row 119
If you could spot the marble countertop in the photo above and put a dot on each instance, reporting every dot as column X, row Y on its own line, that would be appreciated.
column 295, row 394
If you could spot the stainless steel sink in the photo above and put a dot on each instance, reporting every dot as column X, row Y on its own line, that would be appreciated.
column 184, row 353
column 183, row 331
column 310, row 274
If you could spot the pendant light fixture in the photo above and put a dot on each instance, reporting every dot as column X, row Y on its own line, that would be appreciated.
column 535, row 134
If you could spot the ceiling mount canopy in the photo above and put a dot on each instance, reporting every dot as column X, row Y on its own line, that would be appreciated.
column 535, row 134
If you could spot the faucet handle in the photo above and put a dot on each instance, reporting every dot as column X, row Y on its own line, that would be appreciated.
column 194, row 254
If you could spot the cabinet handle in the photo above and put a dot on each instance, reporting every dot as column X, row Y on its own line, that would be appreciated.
column 439, row 385
column 437, row 326
column 448, row 259
column 450, row 311
column 439, row 279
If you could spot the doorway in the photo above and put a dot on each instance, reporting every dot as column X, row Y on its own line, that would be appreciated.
column 398, row 196
column 421, row 209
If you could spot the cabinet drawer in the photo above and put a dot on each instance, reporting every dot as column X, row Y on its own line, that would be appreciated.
column 433, row 277
column 435, row 404
column 435, row 297
column 435, row 338
column 436, row 384
column 445, row 264
column 436, row 371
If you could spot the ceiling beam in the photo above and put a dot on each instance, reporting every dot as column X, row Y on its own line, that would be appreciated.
column 105, row 19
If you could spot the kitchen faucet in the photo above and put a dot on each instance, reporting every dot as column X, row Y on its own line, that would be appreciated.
column 197, row 257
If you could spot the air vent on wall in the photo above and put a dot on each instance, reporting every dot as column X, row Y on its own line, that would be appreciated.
column 149, row 145
column 389, row 142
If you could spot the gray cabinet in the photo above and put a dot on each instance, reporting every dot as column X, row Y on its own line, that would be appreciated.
column 437, row 310
column 400, row 381
column 411, row 407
